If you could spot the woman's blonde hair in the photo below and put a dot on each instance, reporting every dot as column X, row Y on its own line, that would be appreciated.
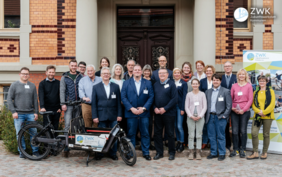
column 212, row 68
column 246, row 74
column 176, row 69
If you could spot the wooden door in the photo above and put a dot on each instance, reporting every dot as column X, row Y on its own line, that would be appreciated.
column 145, row 45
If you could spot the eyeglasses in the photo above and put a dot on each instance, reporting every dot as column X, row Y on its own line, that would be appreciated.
column 162, row 61
column 82, row 67
column 25, row 74
column 106, row 73
column 227, row 66
column 163, row 73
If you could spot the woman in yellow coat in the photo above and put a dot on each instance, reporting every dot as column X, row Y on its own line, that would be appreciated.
column 263, row 106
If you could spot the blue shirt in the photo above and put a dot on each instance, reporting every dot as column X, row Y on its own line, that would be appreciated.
column 49, row 80
column 137, row 85
column 107, row 89
column 85, row 86
column 164, row 81
column 213, row 98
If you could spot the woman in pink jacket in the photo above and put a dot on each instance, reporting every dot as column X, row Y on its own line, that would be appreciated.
column 195, row 107
column 242, row 99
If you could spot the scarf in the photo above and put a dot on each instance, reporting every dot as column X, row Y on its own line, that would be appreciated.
column 186, row 78
column 267, row 103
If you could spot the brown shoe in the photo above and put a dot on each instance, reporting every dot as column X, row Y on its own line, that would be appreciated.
column 204, row 146
column 191, row 154
column 65, row 154
column 198, row 154
column 263, row 156
column 253, row 156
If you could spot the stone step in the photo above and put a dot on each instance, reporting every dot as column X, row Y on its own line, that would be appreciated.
column 205, row 152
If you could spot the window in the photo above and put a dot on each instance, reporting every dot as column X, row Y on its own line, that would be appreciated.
column 10, row 14
column 4, row 95
column 237, row 4
column 145, row 17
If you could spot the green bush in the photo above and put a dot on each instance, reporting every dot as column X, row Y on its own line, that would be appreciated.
column 8, row 131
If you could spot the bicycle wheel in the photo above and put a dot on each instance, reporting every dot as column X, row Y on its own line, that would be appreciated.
column 127, row 152
column 33, row 150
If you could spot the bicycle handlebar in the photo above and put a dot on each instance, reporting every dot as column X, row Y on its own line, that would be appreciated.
column 73, row 103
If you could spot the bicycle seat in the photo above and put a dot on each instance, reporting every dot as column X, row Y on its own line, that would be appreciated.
column 46, row 112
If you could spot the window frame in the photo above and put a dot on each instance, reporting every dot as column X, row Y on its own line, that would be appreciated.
column 2, row 94
column 249, row 28
column 2, row 28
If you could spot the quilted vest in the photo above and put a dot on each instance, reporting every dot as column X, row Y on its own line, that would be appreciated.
column 72, row 92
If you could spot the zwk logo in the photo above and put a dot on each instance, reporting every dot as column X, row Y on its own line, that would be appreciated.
column 241, row 14
column 79, row 139
column 260, row 11
column 250, row 56
column 260, row 55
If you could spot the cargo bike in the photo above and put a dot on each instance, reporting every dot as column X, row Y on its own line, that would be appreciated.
column 79, row 137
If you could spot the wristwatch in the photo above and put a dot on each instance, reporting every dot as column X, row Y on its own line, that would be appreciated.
column 144, row 109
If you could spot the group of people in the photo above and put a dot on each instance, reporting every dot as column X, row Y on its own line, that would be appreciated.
column 157, row 104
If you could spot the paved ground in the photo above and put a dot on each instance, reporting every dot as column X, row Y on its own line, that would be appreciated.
column 12, row 165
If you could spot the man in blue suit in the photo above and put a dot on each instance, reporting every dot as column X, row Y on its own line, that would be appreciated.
column 137, row 96
column 162, row 63
column 228, row 79
column 106, row 106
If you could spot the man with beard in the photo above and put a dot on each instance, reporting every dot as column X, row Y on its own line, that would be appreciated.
column 69, row 92
column 137, row 96
column 49, row 97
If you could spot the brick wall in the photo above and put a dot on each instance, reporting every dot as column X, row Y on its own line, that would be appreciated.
column 239, row 46
column 268, row 35
column 224, row 31
column 52, row 40
column 9, row 50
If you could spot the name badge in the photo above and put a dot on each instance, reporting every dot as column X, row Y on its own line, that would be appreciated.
column 114, row 96
column 221, row 99
column 180, row 84
column 240, row 93
column 196, row 103
column 166, row 86
column 26, row 86
column 145, row 91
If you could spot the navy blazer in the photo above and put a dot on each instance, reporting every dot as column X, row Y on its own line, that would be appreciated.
column 130, row 98
column 232, row 81
column 104, row 108
column 182, row 92
column 203, row 85
column 155, row 76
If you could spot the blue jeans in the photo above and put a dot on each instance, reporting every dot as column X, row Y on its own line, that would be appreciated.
column 67, row 118
column 32, row 131
column 205, row 135
column 143, row 125
column 178, row 126
column 216, row 132
column 108, row 124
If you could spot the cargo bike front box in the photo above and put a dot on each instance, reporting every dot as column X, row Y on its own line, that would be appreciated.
column 95, row 139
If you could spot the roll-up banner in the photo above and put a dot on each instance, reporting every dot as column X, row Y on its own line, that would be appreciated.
column 269, row 64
